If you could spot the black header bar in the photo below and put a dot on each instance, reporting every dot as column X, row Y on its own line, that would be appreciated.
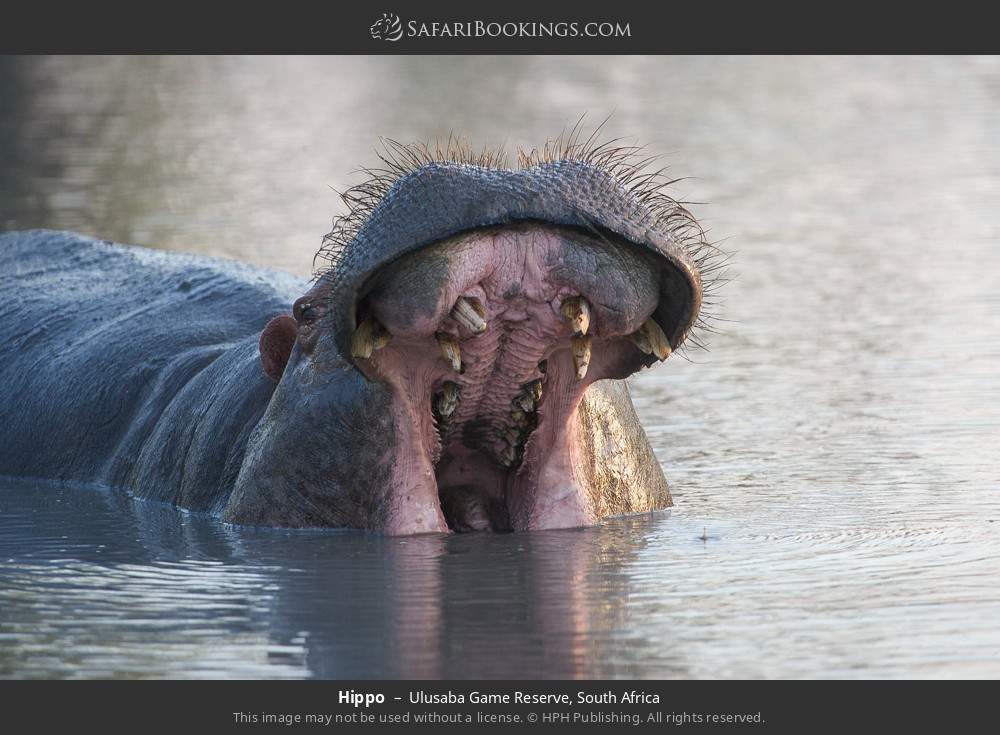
column 397, row 27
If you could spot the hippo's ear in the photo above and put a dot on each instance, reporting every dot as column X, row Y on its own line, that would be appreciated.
column 276, row 342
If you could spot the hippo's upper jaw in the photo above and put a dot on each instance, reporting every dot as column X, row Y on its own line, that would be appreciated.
column 449, row 350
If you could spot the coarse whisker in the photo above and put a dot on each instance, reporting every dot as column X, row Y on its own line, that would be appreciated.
column 627, row 164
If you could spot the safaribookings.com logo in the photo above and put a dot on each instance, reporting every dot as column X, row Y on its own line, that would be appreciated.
column 387, row 28
column 390, row 28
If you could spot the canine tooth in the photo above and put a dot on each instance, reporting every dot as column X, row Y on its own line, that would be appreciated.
column 577, row 310
column 581, row 355
column 519, row 416
column 447, row 401
column 641, row 340
column 659, row 345
column 451, row 351
column 469, row 313
column 369, row 337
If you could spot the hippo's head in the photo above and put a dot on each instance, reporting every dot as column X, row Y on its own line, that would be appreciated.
column 434, row 375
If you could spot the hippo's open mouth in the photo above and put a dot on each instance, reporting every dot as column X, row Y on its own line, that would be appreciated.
column 458, row 363
column 488, row 340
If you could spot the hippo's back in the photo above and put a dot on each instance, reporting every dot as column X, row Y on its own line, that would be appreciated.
column 97, row 340
column 59, row 283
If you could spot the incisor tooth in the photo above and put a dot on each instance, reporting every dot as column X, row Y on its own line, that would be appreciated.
column 512, row 436
column 581, row 355
column 469, row 313
column 451, row 351
column 577, row 310
column 447, row 402
column 369, row 337
column 658, row 342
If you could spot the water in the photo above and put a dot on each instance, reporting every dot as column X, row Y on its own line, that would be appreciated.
column 833, row 458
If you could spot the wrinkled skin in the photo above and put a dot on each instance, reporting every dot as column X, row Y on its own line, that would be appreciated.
column 239, row 391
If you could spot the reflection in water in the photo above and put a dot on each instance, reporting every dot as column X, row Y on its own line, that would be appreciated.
column 172, row 593
column 837, row 447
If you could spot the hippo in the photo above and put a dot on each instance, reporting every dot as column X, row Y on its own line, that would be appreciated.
column 457, row 363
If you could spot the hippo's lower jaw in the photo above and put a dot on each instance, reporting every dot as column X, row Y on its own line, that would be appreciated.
column 488, row 341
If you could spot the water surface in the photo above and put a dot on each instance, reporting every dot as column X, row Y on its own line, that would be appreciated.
column 833, row 457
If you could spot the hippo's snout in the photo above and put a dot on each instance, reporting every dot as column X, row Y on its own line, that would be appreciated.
column 479, row 306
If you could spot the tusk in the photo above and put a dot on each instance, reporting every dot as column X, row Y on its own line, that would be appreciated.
column 581, row 355
column 450, row 349
column 650, row 339
column 369, row 337
column 469, row 313
column 658, row 342
column 577, row 310
column 641, row 340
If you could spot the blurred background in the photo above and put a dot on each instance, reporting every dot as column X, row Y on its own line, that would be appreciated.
column 833, row 456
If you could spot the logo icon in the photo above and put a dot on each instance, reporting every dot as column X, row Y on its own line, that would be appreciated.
column 387, row 28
